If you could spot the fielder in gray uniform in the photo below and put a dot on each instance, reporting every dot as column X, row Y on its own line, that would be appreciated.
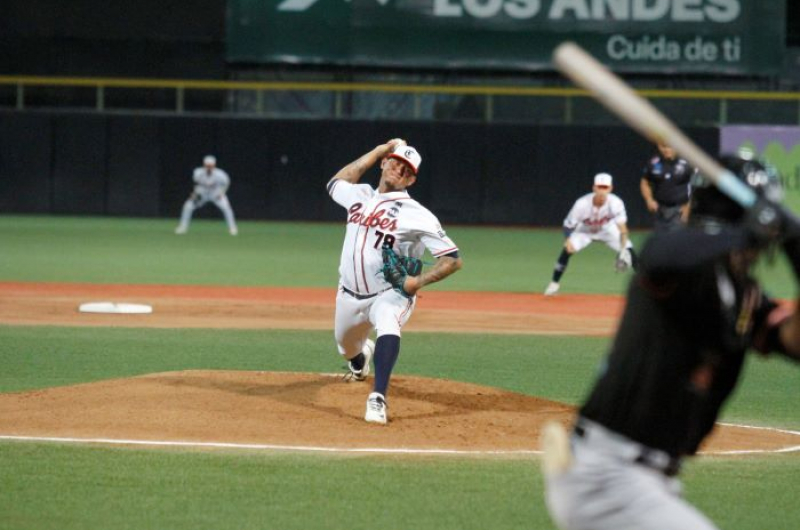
column 693, row 310
column 210, row 185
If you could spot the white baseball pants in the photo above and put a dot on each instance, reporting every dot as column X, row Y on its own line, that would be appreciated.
column 222, row 203
column 387, row 313
column 608, row 235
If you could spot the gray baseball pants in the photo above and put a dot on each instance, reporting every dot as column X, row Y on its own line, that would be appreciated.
column 221, row 202
column 668, row 218
column 605, row 489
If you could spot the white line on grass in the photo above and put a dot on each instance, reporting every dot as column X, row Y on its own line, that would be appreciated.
column 369, row 450
column 224, row 445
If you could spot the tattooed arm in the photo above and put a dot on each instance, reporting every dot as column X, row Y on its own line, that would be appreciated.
column 353, row 171
column 444, row 267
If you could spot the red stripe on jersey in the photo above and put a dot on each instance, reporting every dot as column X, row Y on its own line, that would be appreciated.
column 355, row 255
column 443, row 252
column 364, row 241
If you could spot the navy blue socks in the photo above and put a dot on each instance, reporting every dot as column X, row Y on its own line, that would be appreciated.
column 561, row 265
column 387, row 349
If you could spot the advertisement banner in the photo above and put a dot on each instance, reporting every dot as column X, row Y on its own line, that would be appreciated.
column 779, row 146
column 702, row 36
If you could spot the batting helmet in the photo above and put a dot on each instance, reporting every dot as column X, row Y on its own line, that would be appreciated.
column 710, row 205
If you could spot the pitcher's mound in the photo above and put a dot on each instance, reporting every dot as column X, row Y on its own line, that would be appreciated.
column 304, row 411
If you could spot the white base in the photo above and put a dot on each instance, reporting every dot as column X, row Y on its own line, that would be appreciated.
column 113, row 307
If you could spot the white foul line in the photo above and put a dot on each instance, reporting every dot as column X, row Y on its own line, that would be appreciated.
column 790, row 449
column 370, row 450
column 224, row 445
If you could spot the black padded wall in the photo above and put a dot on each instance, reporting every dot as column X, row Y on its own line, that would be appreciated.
column 25, row 163
column 183, row 142
column 134, row 165
column 79, row 164
column 133, row 162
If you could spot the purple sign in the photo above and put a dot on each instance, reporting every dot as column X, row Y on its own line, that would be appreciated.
column 780, row 146
column 758, row 137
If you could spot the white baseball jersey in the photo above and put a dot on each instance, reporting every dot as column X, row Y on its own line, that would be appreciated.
column 374, row 218
column 210, row 186
column 587, row 218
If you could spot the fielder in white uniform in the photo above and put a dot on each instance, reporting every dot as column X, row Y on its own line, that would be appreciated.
column 596, row 216
column 210, row 185
column 365, row 300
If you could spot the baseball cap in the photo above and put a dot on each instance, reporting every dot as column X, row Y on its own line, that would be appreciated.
column 409, row 155
column 209, row 160
column 602, row 179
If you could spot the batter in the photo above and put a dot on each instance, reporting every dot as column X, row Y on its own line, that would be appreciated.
column 382, row 220
column 692, row 312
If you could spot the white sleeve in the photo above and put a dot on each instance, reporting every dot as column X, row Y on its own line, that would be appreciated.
column 347, row 194
column 224, row 179
column 573, row 217
column 434, row 237
column 196, row 175
column 620, row 215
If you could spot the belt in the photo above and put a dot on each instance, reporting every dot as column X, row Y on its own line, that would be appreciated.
column 359, row 296
column 635, row 452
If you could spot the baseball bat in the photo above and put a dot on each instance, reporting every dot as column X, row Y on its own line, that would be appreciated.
column 618, row 97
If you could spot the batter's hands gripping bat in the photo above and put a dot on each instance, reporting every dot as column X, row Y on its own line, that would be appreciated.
column 586, row 72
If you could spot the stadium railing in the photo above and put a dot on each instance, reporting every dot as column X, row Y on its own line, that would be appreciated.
column 371, row 100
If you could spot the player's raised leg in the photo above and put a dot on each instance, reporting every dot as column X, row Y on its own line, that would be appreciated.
column 351, row 330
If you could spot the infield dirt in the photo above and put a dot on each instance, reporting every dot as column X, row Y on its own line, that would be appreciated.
column 298, row 409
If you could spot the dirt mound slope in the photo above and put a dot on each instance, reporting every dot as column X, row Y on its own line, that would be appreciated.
column 311, row 411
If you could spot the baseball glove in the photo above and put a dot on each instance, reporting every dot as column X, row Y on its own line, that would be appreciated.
column 394, row 269
column 413, row 265
column 624, row 260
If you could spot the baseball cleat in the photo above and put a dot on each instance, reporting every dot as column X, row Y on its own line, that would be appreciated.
column 376, row 409
column 552, row 288
column 368, row 350
column 180, row 230
column 234, row 231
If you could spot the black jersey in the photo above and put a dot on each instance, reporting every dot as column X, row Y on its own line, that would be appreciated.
column 669, row 179
column 680, row 346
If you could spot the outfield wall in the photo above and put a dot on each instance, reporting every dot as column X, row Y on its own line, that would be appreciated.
column 140, row 165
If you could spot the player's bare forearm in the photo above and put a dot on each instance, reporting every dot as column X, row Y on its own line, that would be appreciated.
column 444, row 267
column 353, row 171
column 623, row 235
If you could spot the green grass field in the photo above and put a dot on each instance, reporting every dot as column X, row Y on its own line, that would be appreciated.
column 44, row 486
